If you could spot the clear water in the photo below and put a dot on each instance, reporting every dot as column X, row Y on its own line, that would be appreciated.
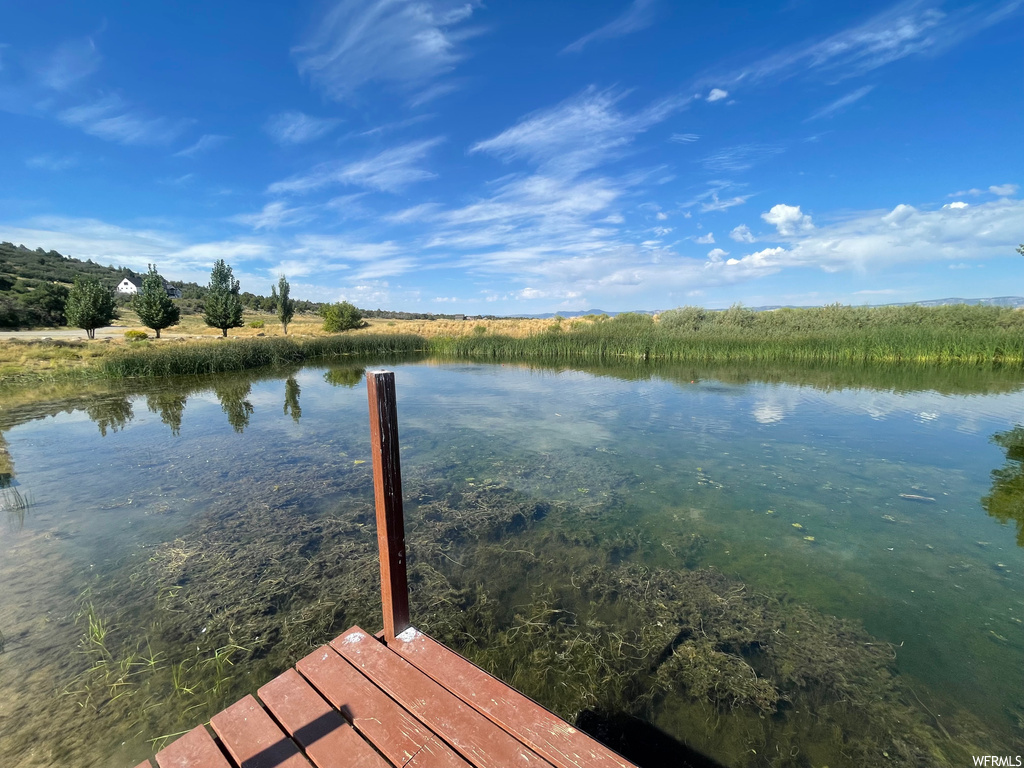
column 863, row 501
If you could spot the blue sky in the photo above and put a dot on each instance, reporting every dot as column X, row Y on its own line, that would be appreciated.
column 525, row 156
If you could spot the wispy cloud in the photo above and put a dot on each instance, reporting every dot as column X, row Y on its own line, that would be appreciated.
column 273, row 216
column 578, row 134
column 69, row 64
column 741, row 157
column 639, row 15
column 684, row 138
column 909, row 28
column 841, row 103
column 1004, row 190
column 403, row 44
column 112, row 120
column 389, row 171
column 717, row 94
column 51, row 162
column 742, row 234
column 299, row 128
column 206, row 142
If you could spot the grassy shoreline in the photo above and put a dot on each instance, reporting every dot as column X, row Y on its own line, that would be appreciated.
column 841, row 336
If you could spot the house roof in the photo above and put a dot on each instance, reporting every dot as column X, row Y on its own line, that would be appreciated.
column 136, row 281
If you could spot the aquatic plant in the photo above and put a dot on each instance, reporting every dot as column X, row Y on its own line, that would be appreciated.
column 16, row 504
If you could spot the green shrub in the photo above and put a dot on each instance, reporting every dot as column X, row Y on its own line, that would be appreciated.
column 341, row 317
column 136, row 335
column 256, row 324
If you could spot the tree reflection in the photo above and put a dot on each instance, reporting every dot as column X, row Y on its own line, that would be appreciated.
column 170, row 406
column 1005, row 501
column 291, row 399
column 6, row 464
column 232, row 396
column 347, row 376
column 112, row 412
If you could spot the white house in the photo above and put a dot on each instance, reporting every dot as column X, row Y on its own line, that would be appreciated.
column 132, row 285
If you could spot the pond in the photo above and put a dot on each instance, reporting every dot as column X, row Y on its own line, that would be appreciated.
column 774, row 567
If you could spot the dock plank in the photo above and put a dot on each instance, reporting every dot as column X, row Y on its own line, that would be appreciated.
column 475, row 737
column 540, row 729
column 196, row 749
column 327, row 738
column 253, row 739
column 398, row 736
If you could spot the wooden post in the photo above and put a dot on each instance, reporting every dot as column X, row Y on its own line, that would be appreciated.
column 387, row 489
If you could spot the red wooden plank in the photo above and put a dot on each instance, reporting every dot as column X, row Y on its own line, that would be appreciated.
column 387, row 490
column 329, row 741
column 144, row 764
column 543, row 731
column 475, row 737
column 253, row 739
column 398, row 736
column 196, row 749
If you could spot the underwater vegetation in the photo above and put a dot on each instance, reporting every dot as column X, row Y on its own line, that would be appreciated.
column 16, row 505
column 554, row 597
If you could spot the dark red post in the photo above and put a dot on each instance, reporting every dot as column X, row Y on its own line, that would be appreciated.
column 387, row 489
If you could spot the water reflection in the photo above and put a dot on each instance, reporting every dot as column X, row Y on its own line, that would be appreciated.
column 170, row 405
column 6, row 464
column 1005, row 502
column 112, row 412
column 344, row 376
column 292, row 390
column 232, row 395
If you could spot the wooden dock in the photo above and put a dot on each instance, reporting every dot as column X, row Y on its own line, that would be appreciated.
column 395, row 699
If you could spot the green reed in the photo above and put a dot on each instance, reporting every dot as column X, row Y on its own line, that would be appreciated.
column 191, row 359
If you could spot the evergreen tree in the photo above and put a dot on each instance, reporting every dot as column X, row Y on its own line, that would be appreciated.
column 285, row 306
column 222, row 305
column 153, row 306
column 89, row 305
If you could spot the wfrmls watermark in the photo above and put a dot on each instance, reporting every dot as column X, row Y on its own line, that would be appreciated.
column 998, row 761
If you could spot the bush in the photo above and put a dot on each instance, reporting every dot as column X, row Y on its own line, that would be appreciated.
column 256, row 324
column 136, row 335
column 341, row 317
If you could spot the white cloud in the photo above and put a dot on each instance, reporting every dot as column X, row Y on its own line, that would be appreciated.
column 638, row 16
column 717, row 94
column 788, row 219
column 390, row 171
column 403, row 44
column 742, row 234
column 716, row 204
column 273, row 215
column 298, row 127
column 841, row 103
column 1003, row 190
column 206, row 142
column 706, row 239
column 69, row 64
column 909, row 28
column 50, row 162
column 903, row 235
column 741, row 157
column 112, row 120
column 684, row 138
column 578, row 134
column 956, row 206
column 717, row 254
column 661, row 216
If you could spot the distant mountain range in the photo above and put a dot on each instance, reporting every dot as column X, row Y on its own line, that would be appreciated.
column 1016, row 302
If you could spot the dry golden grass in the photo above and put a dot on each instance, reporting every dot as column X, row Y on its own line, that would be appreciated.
column 35, row 359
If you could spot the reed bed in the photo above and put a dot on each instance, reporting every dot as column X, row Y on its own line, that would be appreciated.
column 195, row 359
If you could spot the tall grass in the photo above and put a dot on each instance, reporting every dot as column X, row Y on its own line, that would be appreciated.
column 834, row 335
column 956, row 335
column 192, row 359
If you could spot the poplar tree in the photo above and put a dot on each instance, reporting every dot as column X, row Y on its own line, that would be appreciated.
column 152, row 304
column 285, row 305
column 222, row 304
